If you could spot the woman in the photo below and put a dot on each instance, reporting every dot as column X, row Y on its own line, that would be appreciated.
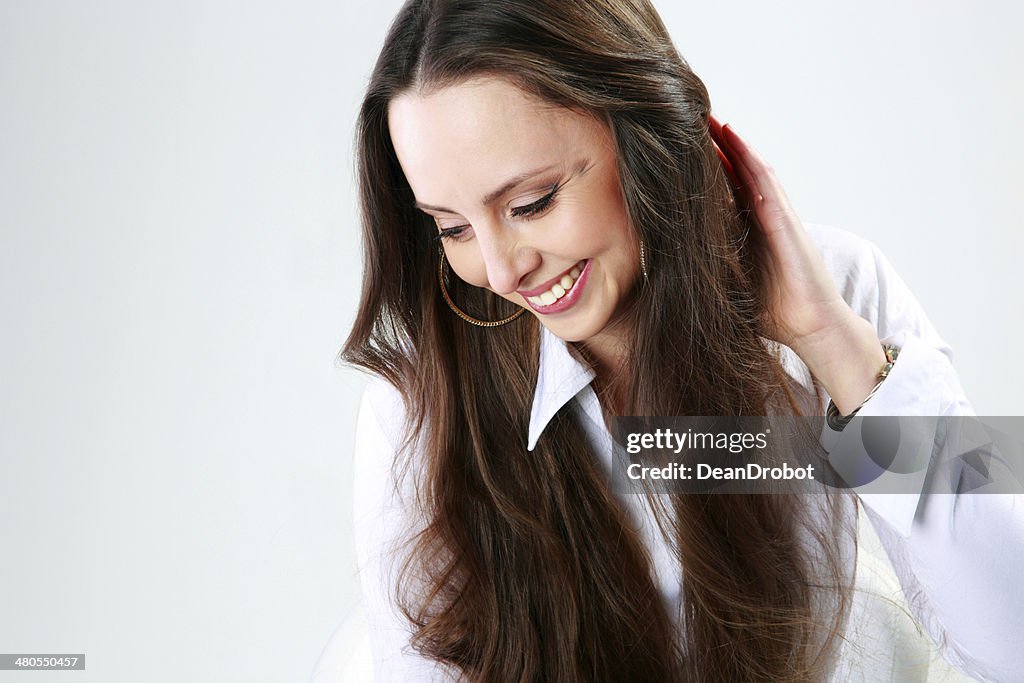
column 552, row 239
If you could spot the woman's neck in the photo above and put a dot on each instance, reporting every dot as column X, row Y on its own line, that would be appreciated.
column 608, row 354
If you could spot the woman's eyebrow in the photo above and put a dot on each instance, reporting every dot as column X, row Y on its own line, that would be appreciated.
column 511, row 184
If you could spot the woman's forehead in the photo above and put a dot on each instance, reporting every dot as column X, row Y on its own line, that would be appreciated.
column 480, row 129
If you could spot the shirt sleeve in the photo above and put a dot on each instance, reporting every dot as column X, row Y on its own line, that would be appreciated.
column 382, row 522
column 957, row 556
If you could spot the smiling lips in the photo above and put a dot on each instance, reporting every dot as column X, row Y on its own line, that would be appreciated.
column 560, row 293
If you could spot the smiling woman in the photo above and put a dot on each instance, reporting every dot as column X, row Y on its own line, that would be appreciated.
column 563, row 213
column 558, row 232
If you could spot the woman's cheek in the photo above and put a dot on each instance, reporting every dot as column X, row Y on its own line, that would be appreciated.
column 468, row 268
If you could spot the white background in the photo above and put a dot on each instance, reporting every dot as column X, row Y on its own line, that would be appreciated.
column 179, row 264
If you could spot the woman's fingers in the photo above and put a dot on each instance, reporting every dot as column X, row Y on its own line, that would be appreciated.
column 748, row 180
column 715, row 129
column 766, row 193
column 740, row 156
column 741, row 177
column 752, row 165
column 799, row 292
column 757, row 187
column 729, row 171
column 745, row 182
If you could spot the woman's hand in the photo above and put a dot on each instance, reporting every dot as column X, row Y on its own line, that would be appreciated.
column 806, row 311
column 801, row 297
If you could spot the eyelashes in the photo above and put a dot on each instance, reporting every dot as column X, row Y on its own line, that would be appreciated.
column 537, row 207
column 450, row 233
column 529, row 211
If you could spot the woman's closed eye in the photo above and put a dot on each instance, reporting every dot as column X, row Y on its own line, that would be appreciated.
column 535, row 208
column 451, row 233
column 531, row 210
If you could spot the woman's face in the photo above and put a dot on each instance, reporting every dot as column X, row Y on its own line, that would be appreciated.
column 526, row 197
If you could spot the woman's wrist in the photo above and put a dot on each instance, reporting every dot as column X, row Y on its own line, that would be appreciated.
column 845, row 358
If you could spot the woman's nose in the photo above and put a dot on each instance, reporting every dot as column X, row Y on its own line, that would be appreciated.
column 505, row 258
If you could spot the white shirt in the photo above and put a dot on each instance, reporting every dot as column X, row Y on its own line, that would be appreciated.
column 958, row 558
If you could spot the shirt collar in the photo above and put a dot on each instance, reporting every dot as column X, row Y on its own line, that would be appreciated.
column 560, row 376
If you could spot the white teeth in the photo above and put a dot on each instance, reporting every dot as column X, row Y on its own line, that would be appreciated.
column 558, row 290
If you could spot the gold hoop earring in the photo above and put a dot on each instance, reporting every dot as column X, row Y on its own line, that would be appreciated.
column 643, row 260
column 455, row 309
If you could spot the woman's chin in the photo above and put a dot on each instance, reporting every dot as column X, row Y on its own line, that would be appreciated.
column 572, row 331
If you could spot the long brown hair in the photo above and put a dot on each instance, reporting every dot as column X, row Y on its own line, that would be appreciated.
column 526, row 568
